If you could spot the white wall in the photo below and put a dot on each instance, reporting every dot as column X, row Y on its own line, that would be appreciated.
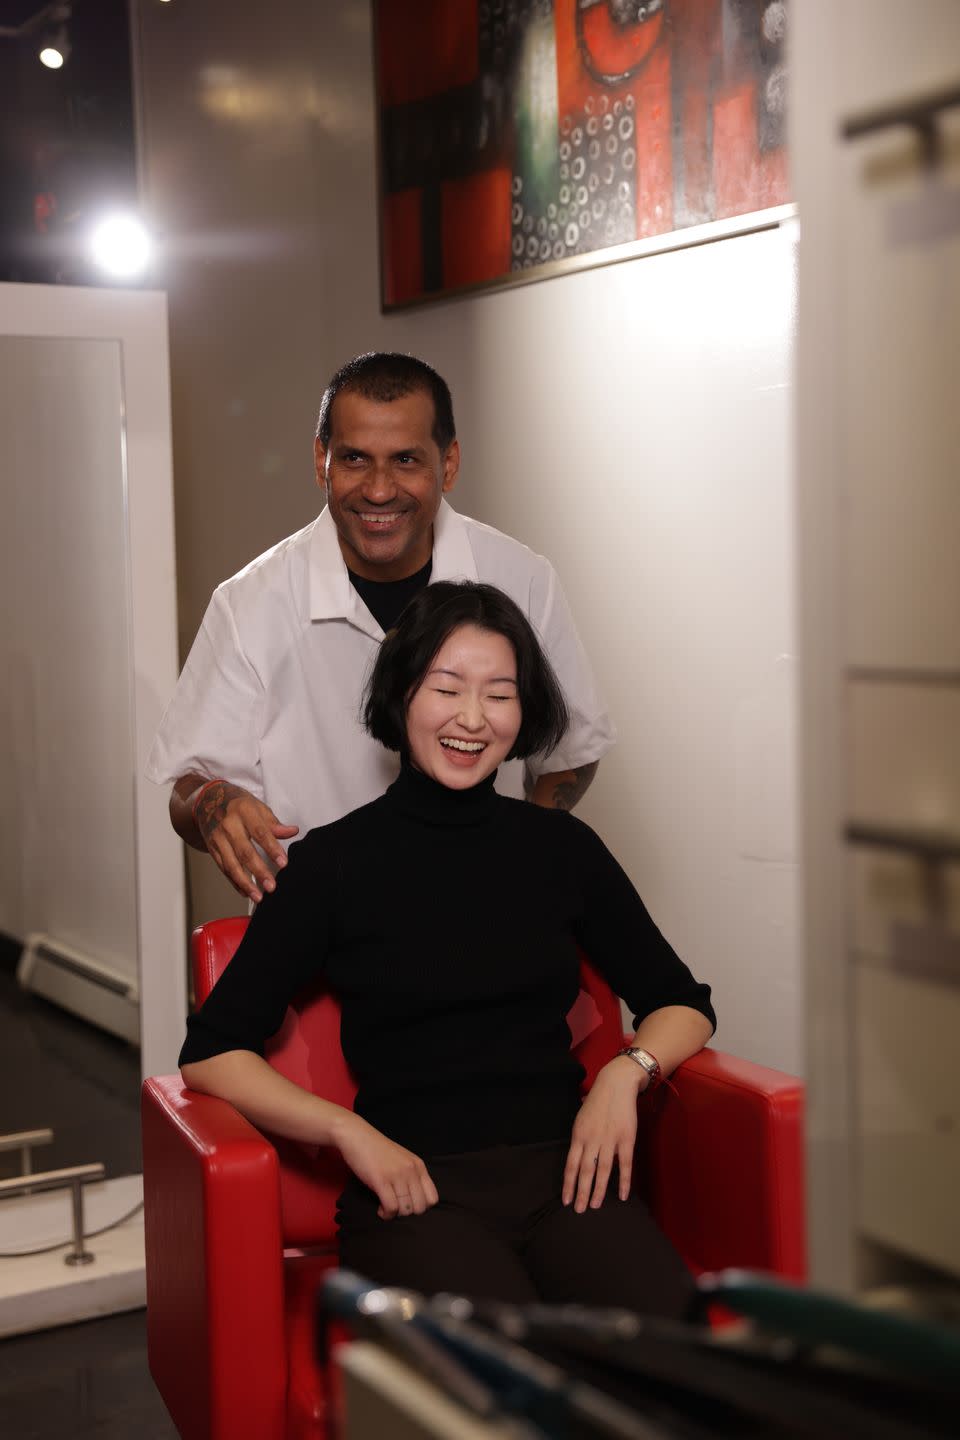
column 631, row 422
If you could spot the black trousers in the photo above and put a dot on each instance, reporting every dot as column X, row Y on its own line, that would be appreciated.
column 500, row 1232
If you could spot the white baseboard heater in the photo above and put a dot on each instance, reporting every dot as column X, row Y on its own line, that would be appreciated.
column 79, row 983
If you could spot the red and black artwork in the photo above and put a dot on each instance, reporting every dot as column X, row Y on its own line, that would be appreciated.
column 516, row 134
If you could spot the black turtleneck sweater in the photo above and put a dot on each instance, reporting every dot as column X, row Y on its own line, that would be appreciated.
column 447, row 923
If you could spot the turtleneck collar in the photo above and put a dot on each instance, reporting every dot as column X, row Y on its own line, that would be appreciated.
column 426, row 799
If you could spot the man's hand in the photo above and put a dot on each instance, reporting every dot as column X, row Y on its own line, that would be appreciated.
column 605, row 1130
column 399, row 1179
column 231, row 824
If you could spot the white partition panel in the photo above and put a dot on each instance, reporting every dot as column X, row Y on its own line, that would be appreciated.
column 88, row 863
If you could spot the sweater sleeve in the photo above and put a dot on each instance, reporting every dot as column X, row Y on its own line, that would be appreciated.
column 620, row 938
column 284, row 947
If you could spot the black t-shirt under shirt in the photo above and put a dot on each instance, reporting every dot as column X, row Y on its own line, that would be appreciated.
column 386, row 599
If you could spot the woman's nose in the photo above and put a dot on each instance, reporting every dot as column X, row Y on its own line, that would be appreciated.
column 471, row 714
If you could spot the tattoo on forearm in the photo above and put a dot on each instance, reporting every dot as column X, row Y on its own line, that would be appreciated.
column 568, row 791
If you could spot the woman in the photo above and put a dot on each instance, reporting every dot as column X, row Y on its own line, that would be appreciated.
column 446, row 918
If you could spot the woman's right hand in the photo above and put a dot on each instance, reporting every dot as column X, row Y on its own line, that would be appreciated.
column 399, row 1179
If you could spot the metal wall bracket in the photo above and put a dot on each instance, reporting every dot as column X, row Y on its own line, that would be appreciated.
column 919, row 114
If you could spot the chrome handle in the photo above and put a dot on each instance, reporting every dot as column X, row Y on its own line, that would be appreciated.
column 24, row 1141
column 73, row 1178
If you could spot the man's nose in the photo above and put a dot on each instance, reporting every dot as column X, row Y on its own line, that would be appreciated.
column 379, row 485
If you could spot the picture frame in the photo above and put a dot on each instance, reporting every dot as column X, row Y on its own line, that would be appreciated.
column 524, row 139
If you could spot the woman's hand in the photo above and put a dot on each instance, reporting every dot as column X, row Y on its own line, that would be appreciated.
column 605, row 1130
column 398, row 1178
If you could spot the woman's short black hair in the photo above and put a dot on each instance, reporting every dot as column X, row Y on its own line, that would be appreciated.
column 431, row 616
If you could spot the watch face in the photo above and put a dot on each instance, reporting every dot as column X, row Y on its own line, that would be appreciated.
column 647, row 1061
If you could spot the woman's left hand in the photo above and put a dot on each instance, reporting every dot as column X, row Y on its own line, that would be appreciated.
column 605, row 1130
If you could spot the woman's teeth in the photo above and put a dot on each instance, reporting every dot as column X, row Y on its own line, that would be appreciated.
column 472, row 747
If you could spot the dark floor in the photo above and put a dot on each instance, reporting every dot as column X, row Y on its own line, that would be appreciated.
column 56, row 1071
column 81, row 1381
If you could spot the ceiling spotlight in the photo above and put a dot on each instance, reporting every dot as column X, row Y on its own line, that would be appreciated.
column 120, row 246
column 55, row 49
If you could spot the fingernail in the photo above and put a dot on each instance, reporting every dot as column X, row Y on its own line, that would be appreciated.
column 269, row 886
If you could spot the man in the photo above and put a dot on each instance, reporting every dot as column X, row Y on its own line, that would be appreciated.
column 262, row 739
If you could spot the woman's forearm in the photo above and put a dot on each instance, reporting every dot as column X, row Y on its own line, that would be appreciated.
column 672, row 1034
column 267, row 1099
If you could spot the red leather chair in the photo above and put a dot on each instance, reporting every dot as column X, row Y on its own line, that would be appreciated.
column 240, row 1228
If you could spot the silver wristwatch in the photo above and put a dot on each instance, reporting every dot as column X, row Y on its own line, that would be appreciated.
column 645, row 1060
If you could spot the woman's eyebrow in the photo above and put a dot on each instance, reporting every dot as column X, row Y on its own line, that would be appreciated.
column 455, row 675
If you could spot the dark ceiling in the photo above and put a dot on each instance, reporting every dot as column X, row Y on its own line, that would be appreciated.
column 15, row 12
column 66, row 137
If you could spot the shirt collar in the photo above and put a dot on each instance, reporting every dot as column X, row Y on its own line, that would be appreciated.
column 332, row 597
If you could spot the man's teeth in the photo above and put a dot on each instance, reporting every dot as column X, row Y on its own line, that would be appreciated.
column 379, row 518
column 472, row 747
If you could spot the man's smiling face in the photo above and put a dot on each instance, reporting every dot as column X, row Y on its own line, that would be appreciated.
column 384, row 475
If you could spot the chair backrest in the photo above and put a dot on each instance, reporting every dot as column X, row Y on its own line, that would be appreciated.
column 307, row 1051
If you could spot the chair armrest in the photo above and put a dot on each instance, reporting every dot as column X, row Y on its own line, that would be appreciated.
column 215, row 1325
column 724, row 1159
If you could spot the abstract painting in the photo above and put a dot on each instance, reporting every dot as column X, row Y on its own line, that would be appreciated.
column 523, row 137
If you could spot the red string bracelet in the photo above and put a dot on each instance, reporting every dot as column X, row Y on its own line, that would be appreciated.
column 219, row 780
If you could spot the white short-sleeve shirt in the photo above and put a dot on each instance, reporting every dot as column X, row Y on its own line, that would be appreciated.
column 269, row 697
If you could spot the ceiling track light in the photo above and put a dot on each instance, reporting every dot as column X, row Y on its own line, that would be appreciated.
column 53, row 43
column 54, row 47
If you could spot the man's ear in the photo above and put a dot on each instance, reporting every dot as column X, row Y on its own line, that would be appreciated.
column 451, row 466
column 320, row 462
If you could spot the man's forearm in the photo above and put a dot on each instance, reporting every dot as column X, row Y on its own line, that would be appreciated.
column 561, row 789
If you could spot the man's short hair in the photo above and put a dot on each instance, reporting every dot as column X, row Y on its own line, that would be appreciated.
column 431, row 616
column 385, row 376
